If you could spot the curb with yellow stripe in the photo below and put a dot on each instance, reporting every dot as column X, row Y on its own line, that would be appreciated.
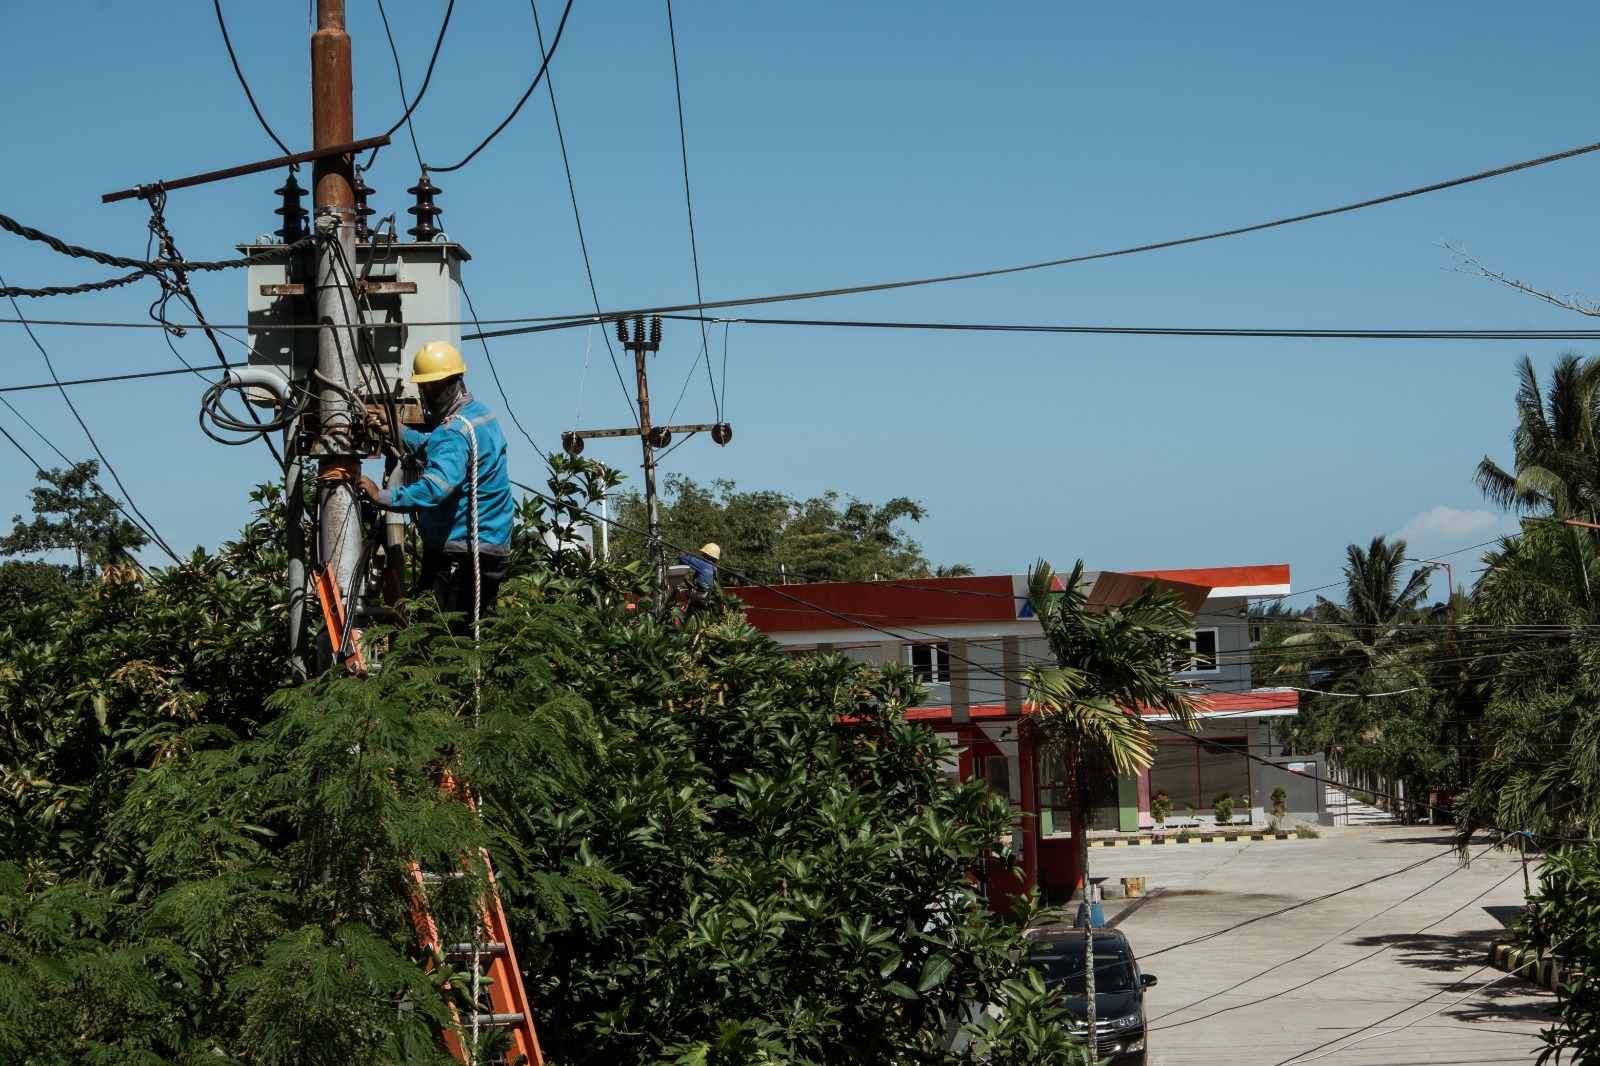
column 1528, row 964
column 1192, row 838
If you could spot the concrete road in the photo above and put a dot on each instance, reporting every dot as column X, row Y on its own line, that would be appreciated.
column 1392, row 972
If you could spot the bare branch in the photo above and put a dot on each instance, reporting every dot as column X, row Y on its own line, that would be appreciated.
column 1571, row 301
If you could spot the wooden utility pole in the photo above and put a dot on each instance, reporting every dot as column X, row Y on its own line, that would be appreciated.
column 641, row 342
column 640, row 346
column 333, row 200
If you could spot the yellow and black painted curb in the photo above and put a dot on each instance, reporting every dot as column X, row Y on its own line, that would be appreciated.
column 1528, row 964
column 1188, row 838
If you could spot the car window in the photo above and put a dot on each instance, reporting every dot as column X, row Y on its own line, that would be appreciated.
column 1061, row 962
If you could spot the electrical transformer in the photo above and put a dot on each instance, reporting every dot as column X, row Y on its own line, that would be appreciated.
column 402, row 289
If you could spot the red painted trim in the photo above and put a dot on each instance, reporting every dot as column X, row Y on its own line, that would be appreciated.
column 1223, row 577
column 913, row 602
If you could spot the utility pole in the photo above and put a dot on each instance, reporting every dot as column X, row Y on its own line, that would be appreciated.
column 334, row 203
column 641, row 342
column 639, row 345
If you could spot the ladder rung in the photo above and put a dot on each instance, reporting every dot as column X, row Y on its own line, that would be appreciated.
column 493, row 947
column 497, row 1019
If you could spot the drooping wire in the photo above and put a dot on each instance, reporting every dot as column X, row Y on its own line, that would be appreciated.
column 400, row 79
column 495, row 373
column 577, row 217
column 245, row 85
column 145, row 523
column 688, row 203
column 554, row 44
column 179, row 286
column 1000, row 271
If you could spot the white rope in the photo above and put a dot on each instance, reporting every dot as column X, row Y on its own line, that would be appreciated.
column 477, row 568
column 477, row 691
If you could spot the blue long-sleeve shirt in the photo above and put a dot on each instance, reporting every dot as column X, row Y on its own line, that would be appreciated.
column 705, row 573
column 441, row 499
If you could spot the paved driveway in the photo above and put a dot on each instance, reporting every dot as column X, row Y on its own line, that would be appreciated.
column 1392, row 972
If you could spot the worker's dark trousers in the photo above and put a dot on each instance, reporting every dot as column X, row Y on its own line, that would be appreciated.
column 448, row 575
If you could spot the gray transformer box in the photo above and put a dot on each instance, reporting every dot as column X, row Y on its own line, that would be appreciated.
column 401, row 289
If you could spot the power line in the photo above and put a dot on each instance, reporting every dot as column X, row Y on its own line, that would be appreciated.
column 427, row 77
column 245, row 85
column 688, row 203
column 577, row 217
column 1168, row 331
column 148, row 526
column 972, row 275
column 400, row 80
column 554, row 44
column 495, row 373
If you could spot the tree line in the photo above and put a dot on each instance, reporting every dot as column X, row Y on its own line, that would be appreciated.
column 709, row 851
column 1487, row 703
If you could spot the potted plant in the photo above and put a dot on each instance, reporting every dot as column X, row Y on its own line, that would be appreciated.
column 1160, row 809
column 1280, row 802
column 1222, row 807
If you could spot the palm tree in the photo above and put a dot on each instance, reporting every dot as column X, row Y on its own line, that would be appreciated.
column 1556, row 444
column 1370, row 631
column 1540, row 735
column 1110, row 664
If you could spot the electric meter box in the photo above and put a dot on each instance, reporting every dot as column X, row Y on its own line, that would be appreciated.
column 403, row 289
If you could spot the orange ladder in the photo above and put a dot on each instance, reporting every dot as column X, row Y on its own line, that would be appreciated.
column 508, row 1000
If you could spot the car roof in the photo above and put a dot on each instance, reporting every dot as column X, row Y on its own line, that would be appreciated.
column 1049, row 935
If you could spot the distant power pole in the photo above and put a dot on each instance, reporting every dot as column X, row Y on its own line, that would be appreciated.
column 641, row 342
column 334, row 204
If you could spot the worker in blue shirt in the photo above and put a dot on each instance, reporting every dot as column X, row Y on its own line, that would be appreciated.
column 702, row 590
column 462, row 499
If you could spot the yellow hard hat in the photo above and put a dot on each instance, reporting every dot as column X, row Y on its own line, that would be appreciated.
column 436, row 361
column 711, row 550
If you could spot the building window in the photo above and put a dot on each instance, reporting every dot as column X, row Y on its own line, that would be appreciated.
column 930, row 662
column 1202, row 657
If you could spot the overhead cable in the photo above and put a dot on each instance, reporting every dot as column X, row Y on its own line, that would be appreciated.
column 1172, row 331
column 999, row 271
column 554, row 44
column 688, row 203
column 145, row 524
column 245, row 85
column 400, row 80
column 427, row 77
column 577, row 217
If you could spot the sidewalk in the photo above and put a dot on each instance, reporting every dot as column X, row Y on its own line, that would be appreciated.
column 1390, row 972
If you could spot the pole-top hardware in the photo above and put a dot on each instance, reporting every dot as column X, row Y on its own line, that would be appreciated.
column 426, row 213
column 640, row 340
column 294, row 215
column 364, row 211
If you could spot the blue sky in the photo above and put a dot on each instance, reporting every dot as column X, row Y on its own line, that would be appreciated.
column 835, row 144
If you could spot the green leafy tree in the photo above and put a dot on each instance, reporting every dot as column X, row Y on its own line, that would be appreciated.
column 71, row 513
column 1562, row 921
column 825, row 538
column 1380, row 663
column 708, row 851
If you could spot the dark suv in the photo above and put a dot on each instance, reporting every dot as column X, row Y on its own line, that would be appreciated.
column 1058, row 954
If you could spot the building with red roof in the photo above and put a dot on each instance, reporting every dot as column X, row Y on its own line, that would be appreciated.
column 970, row 641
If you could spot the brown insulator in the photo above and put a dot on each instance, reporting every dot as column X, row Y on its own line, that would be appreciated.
column 363, row 209
column 660, row 436
column 655, row 330
column 426, row 213
column 622, row 331
column 722, row 433
column 294, row 216
column 572, row 443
